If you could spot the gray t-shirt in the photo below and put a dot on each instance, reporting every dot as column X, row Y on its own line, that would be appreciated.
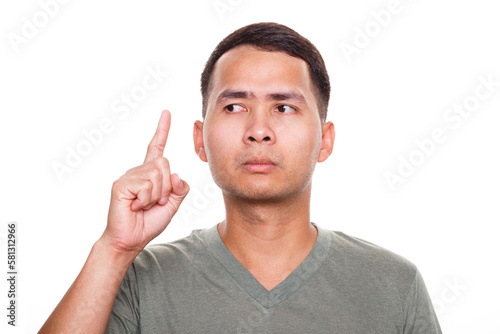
column 344, row 286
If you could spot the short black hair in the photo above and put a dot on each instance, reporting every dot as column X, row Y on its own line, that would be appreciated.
column 270, row 36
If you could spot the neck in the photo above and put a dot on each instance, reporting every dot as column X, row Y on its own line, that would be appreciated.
column 271, row 234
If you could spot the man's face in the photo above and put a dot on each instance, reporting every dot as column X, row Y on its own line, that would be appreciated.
column 262, row 134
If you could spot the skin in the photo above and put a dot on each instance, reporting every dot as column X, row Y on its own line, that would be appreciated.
column 262, row 153
column 262, row 137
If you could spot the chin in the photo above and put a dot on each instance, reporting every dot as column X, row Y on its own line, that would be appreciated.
column 256, row 189
column 261, row 194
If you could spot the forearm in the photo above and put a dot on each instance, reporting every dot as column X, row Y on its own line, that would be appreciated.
column 87, row 305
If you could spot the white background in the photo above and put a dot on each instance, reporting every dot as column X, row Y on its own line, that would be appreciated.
column 64, row 79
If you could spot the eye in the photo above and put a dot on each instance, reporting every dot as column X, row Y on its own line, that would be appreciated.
column 285, row 109
column 234, row 108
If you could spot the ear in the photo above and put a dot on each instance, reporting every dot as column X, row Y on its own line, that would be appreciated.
column 199, row 144
column 327, row 139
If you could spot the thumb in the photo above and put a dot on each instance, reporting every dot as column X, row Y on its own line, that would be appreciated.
column 180, row 189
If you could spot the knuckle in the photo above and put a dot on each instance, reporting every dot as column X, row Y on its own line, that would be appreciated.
column 148, row 185
column 155, row 197
column 116, row 185
column 163, row 163
column 160, row 146
column 156, row 174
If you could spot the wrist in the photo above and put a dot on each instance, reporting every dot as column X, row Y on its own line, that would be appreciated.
column 114, row 253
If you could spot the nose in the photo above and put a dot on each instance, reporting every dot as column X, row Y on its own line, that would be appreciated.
column 259, row 129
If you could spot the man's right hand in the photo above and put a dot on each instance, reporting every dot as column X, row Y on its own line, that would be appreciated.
column 143, row 202
column 145, row 198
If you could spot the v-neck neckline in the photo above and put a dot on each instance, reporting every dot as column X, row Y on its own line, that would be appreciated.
column 252, row 286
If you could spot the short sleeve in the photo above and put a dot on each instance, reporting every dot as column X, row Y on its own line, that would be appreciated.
column 125, row 316
column 419, row 311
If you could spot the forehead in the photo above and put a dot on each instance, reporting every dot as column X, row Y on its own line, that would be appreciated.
column 250, row 69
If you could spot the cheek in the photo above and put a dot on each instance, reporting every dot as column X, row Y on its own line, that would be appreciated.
column 218, row 142
column 303, row 144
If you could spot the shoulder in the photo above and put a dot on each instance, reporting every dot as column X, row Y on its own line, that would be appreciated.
column 366, row 259
column 173, row 253
column 368, row 252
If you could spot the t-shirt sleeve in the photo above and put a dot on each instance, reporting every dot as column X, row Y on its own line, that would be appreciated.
column 124, row 318
column 419, row 311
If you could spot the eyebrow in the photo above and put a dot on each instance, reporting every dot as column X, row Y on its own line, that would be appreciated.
column 234, row 94
column 286, row 96
column 275, row 96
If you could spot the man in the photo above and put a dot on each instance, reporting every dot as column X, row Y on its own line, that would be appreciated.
column 265, row 268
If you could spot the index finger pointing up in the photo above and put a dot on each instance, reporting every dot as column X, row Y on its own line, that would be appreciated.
column 157, row 144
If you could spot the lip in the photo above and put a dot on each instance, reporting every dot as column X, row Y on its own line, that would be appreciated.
column 259, row 165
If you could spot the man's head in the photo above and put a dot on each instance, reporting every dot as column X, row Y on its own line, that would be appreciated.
column 262, row 134
column 273, row 37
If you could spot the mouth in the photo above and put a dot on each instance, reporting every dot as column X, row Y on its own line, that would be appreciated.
column 259, row 165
